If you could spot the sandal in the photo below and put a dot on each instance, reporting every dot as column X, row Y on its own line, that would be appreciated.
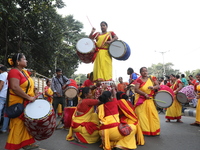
column 179, row 121
column 167, row 120
column 32, row 146
column 194, row 124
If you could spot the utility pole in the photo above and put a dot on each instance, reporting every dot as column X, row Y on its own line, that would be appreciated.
column 163, row 61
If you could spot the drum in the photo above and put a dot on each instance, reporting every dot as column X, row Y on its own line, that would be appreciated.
column 71, row 90
column 119, row 50
column 188, row 91
column 40, row 119
column 181, row 97
column 68, row 113
column 85, row 50
column 165, row 94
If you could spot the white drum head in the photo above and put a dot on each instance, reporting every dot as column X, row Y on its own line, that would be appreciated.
column 37, row 109
column 117, row 49
column 85, row 45
column 71, row 92
column 181, row 97
column 163, row 96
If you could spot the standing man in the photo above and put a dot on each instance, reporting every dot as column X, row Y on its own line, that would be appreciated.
column 121, row 86
column 3, row 95
column 59, row 83
column 184, row 80
column 133, row 76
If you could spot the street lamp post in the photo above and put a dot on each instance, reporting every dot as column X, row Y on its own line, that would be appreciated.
column 163, row 62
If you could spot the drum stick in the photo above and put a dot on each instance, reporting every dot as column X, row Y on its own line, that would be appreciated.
column 159, row 100
column 38, row 95
column 89, row 21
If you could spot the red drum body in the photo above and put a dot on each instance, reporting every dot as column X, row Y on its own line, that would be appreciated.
column 85, row 50
column 71, row 90
column 68, row 113
column 165, row 94
column 40, row 119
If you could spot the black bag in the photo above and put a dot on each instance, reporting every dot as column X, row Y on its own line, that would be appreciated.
column 15, row 110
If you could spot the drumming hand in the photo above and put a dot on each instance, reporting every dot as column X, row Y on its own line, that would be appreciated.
column 93, row 30
column 151, row 87
column 147, row 96
column 32, row 99
column 108, row 42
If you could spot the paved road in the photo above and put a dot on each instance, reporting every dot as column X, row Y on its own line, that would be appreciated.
column 174, row 136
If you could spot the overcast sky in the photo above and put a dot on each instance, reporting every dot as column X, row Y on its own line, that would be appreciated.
column 170, row 26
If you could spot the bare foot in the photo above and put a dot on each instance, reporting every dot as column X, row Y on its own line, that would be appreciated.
column 168, row 120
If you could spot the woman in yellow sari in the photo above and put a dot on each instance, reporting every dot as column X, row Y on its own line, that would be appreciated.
column 48, row 94
column 85, row 123
column 102, row 69
column 197, row 89
column 127, row 115
column 109, row 118
column 144, row 104
column 21, row 88
column 174, row 112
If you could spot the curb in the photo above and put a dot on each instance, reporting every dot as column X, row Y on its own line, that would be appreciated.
column 189, row 112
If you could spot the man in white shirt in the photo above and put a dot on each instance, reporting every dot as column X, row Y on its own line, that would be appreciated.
column 3, row 87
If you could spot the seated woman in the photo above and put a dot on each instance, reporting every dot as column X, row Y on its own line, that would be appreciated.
column 85, row 122
column 127, row 115
column 109, row 118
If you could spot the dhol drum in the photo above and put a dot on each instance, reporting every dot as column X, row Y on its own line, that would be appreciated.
column 181, row 97
column 40, row 119
column 119, row 50
column 68, row 113
column 71, row 90
column 165, row 94
column 85, row 50
column 188, row 91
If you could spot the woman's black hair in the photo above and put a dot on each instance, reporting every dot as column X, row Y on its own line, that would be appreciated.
column 3, row 68
column 173, row 75
column 142, row 69
column 84, row 91
column 15, row 57
column 104, row 98
column 47, row 81
column 121, row 95
column 104, row 23
column 168, row 77
column 191, row 76
column 130, row 70
column 177, row 76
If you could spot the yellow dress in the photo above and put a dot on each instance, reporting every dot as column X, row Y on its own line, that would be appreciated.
column 198, row 107
column 102, row 69
column 175, row 110
column 81, row 125
column 109, row 132
column 147, row 113
column 18, row 134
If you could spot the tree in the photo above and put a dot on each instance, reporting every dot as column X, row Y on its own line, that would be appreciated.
column 157, row 69
column 34, row 28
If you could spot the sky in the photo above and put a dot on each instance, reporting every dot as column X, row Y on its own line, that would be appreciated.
column 149, row 27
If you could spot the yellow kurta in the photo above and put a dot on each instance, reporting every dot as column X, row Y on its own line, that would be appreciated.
column 198, row 107
column 102, row 69
column 18, row 134
column 147, row 113
column 80, row 132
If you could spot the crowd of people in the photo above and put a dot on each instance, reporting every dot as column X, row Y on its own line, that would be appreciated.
column 117, row 115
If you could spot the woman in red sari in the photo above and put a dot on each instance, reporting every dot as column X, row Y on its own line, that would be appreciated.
column 18, row 81
column 85, row 123
column 174, row 112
